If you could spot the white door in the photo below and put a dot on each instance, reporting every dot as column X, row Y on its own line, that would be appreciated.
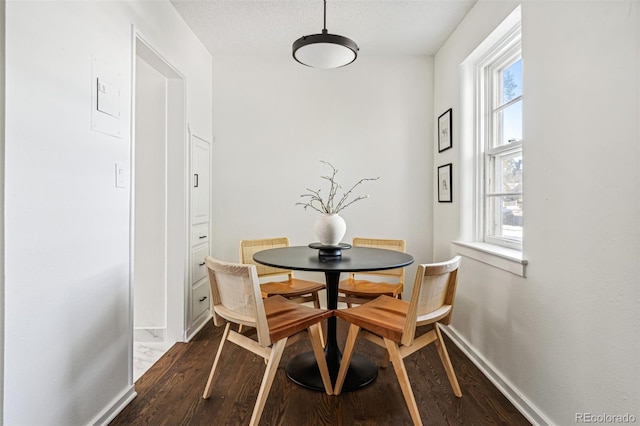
column 200, row 180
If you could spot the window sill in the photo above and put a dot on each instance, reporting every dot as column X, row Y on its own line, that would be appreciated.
column 500, row 257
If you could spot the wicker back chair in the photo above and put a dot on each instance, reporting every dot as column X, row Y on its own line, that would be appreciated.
column 288, row 286
column 391, row 323
column 358, row 289
column 236, row 298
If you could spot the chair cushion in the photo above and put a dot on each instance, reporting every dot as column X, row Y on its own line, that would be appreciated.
column 286, row 318
column 290, row 287
column 384, row 316
column 368, row 289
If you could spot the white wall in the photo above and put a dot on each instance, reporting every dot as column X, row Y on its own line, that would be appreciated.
column 564, row 339
column 68, row 326
column 275, row 119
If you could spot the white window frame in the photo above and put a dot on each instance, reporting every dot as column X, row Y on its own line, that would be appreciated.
column 501, row 55
column 471, row 243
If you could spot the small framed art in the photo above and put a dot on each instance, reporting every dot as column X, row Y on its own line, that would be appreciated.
column 445, row 188
column 445, row 140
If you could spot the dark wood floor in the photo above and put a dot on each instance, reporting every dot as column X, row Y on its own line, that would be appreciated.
column 170, row 393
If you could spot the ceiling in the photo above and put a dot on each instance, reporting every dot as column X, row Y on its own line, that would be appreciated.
column 379, row 27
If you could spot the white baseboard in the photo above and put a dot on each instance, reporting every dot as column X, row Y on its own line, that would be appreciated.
column 116, row 406
column 197, row 326
column 521, row 403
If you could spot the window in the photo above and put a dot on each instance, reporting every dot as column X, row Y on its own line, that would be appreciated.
column 498, row 133
column 491, row 140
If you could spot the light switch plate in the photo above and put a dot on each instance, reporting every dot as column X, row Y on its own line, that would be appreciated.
column 121, row 178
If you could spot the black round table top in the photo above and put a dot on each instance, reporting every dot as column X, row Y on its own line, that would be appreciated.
column 356, row 259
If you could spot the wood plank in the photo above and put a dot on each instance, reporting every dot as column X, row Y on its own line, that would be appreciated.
column 170, row 393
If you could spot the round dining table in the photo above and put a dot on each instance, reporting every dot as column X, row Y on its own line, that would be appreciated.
column 303, row 369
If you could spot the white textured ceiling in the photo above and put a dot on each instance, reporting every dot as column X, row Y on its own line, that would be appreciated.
column 379, row 27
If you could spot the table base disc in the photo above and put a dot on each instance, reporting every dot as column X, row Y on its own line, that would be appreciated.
column 303, row 370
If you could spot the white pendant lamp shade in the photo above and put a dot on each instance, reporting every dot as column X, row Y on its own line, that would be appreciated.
column 325, row 51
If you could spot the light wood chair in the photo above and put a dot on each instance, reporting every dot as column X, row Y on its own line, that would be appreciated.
column 295, row 289
column 357, row 290
column 236, row 298
column 391, row 323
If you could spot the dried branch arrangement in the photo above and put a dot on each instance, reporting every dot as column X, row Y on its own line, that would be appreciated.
column 313, row 199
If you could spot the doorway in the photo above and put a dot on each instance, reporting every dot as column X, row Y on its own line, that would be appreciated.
column 159, row 223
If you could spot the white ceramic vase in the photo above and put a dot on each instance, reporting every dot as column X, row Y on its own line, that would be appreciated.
column 330, row 228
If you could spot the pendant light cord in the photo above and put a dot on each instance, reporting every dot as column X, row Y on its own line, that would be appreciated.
column 324, row 30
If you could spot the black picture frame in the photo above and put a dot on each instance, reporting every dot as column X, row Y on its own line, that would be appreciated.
column 445, row 131
column 445, row 183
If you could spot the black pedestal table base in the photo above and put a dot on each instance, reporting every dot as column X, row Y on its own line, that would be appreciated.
column 303, row 370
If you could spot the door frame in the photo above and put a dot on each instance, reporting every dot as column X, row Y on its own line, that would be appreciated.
column 176, row 204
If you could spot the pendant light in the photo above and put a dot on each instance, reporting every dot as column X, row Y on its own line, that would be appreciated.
column 325, row 50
